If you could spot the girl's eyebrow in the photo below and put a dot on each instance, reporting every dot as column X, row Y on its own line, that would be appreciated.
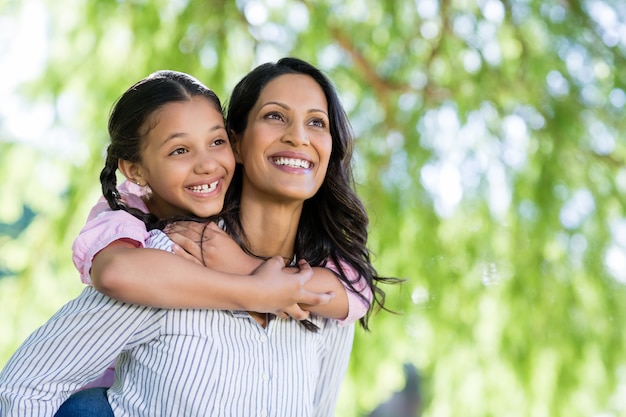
column 286, row 107
column 181, row 134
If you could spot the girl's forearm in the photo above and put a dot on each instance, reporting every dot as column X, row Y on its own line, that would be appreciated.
column 157, row 278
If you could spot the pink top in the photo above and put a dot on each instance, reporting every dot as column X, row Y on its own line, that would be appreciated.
column 104, row 226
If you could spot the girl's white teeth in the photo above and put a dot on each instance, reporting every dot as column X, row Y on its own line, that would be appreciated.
column 292, row 162
column 204, row 188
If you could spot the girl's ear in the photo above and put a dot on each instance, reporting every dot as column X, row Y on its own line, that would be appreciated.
column 132, row 171
column 236, row 143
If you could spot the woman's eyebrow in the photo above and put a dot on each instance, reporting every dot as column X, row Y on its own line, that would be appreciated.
column 318, row 111
column 269, row 103
column 286, row 107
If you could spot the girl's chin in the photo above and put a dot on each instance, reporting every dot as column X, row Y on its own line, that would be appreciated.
column 207, row 213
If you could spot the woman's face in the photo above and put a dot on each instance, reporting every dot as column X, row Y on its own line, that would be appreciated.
column 286, row 145
column 186, row 160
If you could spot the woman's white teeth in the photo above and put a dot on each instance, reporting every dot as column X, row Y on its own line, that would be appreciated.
column 292, row 162
column 204, row 188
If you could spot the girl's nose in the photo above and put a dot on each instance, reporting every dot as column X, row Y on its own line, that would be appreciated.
column 205, row 163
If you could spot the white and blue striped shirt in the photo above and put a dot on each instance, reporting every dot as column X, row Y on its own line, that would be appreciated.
column 178, row 362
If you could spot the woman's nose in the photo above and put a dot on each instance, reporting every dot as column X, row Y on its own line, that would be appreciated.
column 296, row 134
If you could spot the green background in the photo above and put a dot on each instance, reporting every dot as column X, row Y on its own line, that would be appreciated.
column 490, row 156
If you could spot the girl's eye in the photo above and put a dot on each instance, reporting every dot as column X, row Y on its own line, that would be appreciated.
column 218, row 142
column 178, row 151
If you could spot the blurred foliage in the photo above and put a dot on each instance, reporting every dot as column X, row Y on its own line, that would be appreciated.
column 490, row 156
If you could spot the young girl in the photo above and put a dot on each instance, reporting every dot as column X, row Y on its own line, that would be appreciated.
column 198, row 362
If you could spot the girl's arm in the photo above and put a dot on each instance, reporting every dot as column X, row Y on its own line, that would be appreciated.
column 157, row 278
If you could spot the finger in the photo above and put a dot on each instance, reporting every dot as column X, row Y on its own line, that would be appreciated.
column 296, row 312
column 176, row 232
column 211, row 230
column 184, row 254
column 214, row 227
column 315, row 299
column 179, row 238
column 279, row 259
column 304, row 265
column 275, row 263
column 178, row 227
column 192, row 230
column 187, row 244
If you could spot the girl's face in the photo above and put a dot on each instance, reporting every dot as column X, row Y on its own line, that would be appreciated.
column 286, row 145
column 186, row 160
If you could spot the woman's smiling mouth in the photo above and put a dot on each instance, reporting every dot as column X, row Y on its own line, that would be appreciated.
column 292, row 162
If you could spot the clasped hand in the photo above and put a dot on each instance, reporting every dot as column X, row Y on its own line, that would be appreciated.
column 276, row 289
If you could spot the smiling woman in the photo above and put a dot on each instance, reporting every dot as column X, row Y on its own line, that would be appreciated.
column 287, row 142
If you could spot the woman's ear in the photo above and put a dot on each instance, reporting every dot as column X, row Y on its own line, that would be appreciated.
column 132, row 171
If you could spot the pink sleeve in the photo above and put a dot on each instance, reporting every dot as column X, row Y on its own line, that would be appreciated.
column 105, row 380
column 104, row 226
column 357, row 307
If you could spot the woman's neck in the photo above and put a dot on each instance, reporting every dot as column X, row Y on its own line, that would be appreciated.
column 270, row 228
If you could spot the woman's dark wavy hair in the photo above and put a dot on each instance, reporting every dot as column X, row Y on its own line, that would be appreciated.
column 334, row 222
column 130, row 121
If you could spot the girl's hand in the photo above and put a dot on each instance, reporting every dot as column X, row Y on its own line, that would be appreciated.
column 276, row 285
column 276, row 289
column 207, row 244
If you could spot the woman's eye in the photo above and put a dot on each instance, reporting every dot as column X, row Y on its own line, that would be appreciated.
column 318, row 123
column 274, row 116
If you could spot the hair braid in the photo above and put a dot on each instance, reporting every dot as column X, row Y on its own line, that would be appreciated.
column 108, row 180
